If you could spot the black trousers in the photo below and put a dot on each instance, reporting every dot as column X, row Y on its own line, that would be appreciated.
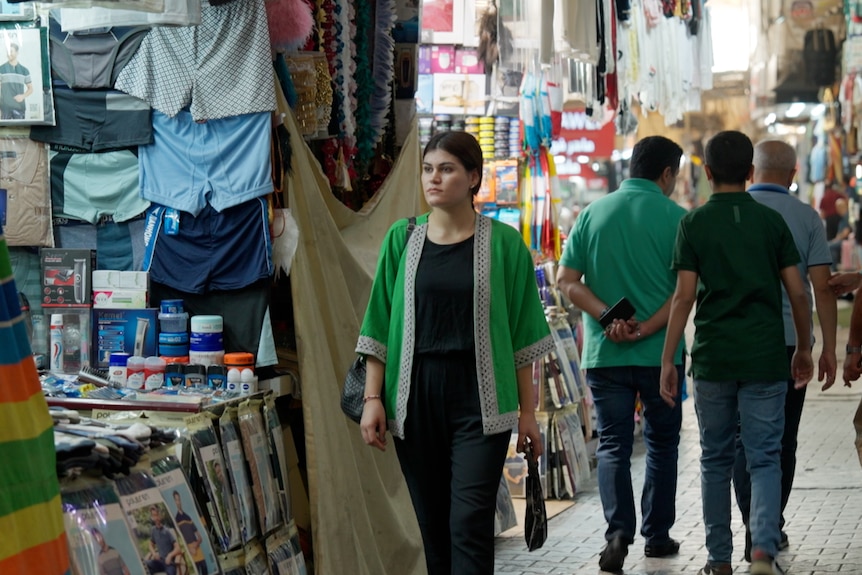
column 792, row 416
column 451, row 468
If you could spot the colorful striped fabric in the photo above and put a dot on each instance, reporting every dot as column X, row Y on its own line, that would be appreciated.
column 33, row 540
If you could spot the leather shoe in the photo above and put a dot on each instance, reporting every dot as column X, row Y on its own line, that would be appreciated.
column 613, row 555
column 666, row 549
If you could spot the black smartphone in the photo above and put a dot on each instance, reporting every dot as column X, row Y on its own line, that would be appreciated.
column 623, row 310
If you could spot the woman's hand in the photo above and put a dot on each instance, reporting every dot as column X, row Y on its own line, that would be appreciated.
column 528, row 432
column 373, row 424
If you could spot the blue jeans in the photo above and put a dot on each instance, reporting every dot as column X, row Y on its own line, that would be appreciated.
column 758, row 408
column 793, row 404
column 615, row 392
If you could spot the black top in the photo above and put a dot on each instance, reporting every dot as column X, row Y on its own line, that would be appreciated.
column 444, row 298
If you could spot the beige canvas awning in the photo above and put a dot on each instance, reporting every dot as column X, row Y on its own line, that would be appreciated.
column 362, row 519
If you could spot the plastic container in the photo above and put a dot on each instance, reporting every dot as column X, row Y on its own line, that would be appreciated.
column 174, row 372
column 174, row 338
column 72, row 343
column 206, row 357
column 196, row 375
column 207, row 324
column 40, row 334
column 154, row 373
column 202, row 341
column 117, row 368
column 173, row 350
column 239, row 360
column 173, row 322
column 216, row 376
column 174, row 344
column 135, row 372
column 171, row 306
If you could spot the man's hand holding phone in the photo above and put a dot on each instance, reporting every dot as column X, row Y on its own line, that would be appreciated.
column 619, row 323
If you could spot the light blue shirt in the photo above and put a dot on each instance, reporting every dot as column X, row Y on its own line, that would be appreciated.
column 809, row 235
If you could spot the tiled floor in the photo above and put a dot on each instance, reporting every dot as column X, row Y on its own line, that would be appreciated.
column 824, row 515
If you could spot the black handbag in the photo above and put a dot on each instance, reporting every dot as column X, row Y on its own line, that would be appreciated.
column 353, row 392
column 536, row 517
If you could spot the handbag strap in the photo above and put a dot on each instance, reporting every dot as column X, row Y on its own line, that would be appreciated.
column 411, row 225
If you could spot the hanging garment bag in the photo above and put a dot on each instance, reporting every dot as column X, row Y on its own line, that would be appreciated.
column 820, row 52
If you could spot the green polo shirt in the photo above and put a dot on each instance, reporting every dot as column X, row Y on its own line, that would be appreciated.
column 738, row 248
column 623, row 244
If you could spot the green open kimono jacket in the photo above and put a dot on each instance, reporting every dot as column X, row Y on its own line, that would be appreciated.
column 508, row 318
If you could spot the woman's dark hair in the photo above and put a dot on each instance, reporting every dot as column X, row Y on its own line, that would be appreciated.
column 463, row 146
column 652, row 155
column 729, row 156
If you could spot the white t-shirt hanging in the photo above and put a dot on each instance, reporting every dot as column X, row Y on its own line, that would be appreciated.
column 576, row 27
column 175, row 12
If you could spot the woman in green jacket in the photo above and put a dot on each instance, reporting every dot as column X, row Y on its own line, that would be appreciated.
column 453, row 324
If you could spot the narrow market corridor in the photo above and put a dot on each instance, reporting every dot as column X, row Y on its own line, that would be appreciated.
column 824, row 515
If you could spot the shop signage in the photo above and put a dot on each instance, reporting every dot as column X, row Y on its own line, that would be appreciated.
column 581, row 135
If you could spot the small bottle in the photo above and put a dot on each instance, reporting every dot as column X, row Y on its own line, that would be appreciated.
column 56, row 362
column 154, row 373
column 233, row 380
column 135, row 372
column 248, row 382
column 117, row 368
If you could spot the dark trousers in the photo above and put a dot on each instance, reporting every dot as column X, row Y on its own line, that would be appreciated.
column 792, row 416
column 159, row 566
column 451, row 468
column 615, row 393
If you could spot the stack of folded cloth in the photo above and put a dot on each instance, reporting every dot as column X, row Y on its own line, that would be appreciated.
column 85, row 445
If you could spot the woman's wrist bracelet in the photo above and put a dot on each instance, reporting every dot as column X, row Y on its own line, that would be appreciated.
column 368, row 398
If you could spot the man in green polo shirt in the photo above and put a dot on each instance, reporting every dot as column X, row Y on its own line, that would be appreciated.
column 732, row 255
column 621, row 246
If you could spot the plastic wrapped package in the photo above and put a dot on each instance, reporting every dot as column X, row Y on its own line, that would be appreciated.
column 257, row 451
column 175, row 490
column 153, row 527
column 211, row 467
column 26, row 96
column 25, row 194
column 255, row 559
column 279, row 459
column 97, row 533
column 238, row 472
column 284, row 558
column 233, row 563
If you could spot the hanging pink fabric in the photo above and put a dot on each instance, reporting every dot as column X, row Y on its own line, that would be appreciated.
column 290, row 23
